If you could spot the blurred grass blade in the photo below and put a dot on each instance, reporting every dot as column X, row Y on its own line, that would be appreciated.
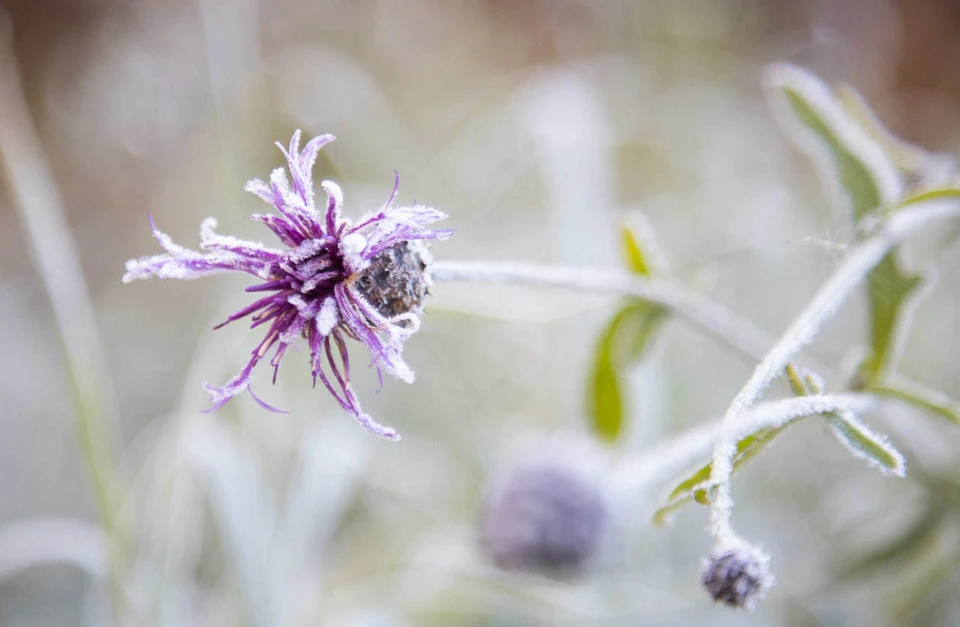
column 864, row 444
column 917, row 537
column 52, row 540
column 332, row 457
column 245, row 519
column 920, row 396
column 621, row 344
column 56, row 259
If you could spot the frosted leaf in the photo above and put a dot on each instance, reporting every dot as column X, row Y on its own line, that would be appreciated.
column 864, row 444
column 851, row 163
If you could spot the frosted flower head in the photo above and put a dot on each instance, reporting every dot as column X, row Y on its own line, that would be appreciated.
column 547, row 514
column 333, row 280
column 737, row 576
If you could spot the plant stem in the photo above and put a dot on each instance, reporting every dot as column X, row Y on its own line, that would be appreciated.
column 642, row 470
column 801, row 332
column 710, row 317
column 54, row 254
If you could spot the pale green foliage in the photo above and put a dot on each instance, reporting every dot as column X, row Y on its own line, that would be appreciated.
column 853, row 161
column 623, row 342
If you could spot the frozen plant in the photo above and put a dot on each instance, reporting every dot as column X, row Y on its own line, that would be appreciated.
column 335, row 280
column 893, row 191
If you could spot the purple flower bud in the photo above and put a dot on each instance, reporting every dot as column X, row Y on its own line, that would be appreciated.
column 547, row 515
column 396, row 281
column 737, row 576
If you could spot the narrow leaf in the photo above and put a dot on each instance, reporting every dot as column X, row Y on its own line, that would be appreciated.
column 606, row 397
column 863, row 443
column 621, row 344
column 697, row 486
column 853, row 153
column 636, row 259
column 848, row 159
column 920, row 396
column 889, row 291
column 905, row 156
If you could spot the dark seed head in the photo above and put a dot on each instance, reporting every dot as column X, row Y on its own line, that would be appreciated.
column 396, row 280
column 545, row 518
column 737, row 577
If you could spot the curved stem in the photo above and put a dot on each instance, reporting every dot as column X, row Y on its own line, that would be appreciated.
column 801, row 332
column 703, row 313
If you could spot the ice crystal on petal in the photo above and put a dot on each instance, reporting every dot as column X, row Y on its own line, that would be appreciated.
column 335, row 280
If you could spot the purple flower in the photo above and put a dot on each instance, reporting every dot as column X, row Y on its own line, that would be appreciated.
column 334, row 280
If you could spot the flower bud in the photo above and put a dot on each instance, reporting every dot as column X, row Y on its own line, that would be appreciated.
column 548, row 516
column 737, row 576
column 396, row 280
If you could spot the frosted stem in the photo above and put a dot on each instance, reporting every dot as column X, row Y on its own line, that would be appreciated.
column 55, row 257
column 709, row 316
column 826, row 302
column 663, row 461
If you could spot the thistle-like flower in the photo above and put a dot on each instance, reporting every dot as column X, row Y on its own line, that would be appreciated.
column 335, row 280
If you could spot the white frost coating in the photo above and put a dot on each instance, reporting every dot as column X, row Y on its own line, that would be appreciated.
column 662, row 462
column 210, row 238
column 278, row 180
column 328, row 316
column 333, row 192
column 851, row 136
column 712, row 318
column 905, row 155
column 352, row 247
column 307, row 309
column 334, row 197
column 861, row 260
column 899, row 468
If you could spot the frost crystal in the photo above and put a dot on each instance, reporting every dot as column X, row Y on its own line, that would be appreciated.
column 335, row 279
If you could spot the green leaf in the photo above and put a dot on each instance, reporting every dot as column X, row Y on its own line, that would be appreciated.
column 697, row 486
column 889, row 290
column 636, row 259
column 858, row 182
column 920, row 396
column 844, row 137
column 621, row 344
column 937, row 193
column 863, row 443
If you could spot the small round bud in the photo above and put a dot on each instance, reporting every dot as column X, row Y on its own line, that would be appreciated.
column 737, row 576
column 546, row 516
column 396, row 280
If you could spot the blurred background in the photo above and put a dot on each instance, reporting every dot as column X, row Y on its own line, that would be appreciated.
column 539, row 127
